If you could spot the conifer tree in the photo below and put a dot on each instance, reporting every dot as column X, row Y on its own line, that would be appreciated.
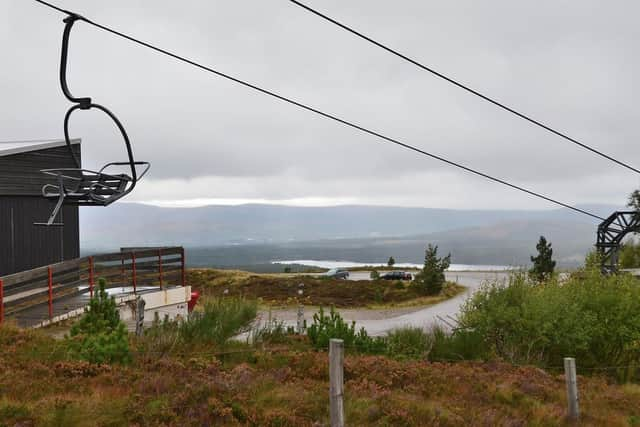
column 430, row 280
column 543, row 263
column 391, row 262
column 100, row 336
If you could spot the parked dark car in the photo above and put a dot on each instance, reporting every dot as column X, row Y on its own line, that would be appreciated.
column 337, row 273
column 396, row 275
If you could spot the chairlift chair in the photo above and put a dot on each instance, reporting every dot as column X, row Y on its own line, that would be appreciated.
column 84, row 187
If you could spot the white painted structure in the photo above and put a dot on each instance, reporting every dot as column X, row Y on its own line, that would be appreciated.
column 170, row 302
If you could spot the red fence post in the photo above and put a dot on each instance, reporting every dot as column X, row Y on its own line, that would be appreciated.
column 160, row 266
column 124, row 277
column 184, row 276
column 50, row 292
column 91, row 276
column 1, row 302
column 133, row 266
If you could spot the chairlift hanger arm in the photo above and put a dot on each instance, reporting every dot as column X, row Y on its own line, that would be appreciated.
column 88, row 188
column 85, row 103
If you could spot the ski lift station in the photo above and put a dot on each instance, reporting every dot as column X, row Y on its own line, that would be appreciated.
column 24, row 246
column 43, row 279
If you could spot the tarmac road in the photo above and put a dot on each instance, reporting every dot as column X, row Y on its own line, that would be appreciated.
column 379, row 322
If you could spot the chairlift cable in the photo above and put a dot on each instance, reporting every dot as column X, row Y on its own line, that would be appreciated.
column 464, row 87
column 322, row 113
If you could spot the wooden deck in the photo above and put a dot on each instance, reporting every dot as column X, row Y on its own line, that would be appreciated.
column 48, row 292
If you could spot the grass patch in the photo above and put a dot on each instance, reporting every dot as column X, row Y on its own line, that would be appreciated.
column 282, row 290
column 220, row 320
column 449, row 291
column 211, row 326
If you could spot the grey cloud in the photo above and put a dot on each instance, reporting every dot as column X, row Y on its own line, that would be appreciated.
column 569, row 63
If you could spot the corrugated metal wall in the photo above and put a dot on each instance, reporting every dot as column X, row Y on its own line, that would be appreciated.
column 23, row 245
column 20, row 173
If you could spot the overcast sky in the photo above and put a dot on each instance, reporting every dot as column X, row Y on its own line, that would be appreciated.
column 571, row 64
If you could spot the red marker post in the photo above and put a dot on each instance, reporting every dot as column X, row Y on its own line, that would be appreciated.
column 50, row 293
column 91, row 283
column 1, row 302
column 160, row 267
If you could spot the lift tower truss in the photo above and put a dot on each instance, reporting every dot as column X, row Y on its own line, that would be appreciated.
column 610, row 234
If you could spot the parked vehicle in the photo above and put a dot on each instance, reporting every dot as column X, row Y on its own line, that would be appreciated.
column 337, row 273
column 396, row 275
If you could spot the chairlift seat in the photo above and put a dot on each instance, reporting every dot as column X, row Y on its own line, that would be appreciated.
column 85, row 187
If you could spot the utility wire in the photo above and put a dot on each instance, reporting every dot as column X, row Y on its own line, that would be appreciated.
column 461, row 86
column 322, row 113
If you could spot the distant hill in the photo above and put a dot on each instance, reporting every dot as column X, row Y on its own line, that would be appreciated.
column 249, row 234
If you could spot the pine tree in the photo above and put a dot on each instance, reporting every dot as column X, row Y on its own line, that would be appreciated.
column 634, row 200
column 100, row 336
column 543, row 263
column 391, row 262
column 430, row 279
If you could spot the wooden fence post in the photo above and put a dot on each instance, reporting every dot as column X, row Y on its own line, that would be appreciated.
column 91, row 279
column 336, row 381
column 133, row 268
column 160, row 267
column 1, row 302
column 572, row 387
column 50, row 292
column 140, row 303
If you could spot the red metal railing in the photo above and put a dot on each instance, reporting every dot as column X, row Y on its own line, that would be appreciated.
column 91, row 276
column 160, row 267
column 184, row 274
column 1, row 301
column 61, row 286
column 50, row 283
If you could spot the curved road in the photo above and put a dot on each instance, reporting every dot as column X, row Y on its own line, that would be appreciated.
column 379, row 322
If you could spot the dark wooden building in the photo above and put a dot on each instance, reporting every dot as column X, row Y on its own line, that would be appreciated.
column 24, row 245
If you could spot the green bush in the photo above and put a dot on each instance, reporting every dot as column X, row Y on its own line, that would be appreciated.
column 629, row 255
column 374, row 275
column 461, row 344
column 99, row 336
column 325, row 327
column 591, row 317
column 409, row 342
column 221, row 319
